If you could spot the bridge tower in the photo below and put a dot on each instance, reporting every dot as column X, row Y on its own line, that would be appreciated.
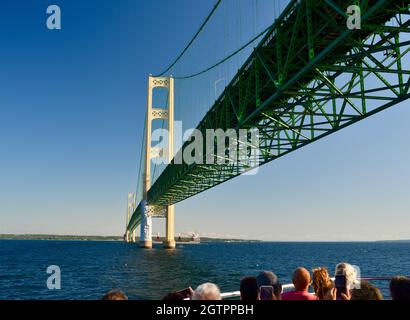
column 150, row 211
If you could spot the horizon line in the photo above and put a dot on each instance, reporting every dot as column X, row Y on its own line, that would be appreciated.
column 208, row 237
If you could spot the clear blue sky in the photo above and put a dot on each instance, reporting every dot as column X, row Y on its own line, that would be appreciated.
column 72, row 104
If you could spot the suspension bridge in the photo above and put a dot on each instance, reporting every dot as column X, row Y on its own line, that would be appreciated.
column 308, row 76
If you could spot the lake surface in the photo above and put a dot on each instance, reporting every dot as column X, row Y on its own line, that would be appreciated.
column 89, row 269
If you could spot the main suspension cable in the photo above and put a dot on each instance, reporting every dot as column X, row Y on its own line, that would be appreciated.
column 224, row 59
column 193, row 39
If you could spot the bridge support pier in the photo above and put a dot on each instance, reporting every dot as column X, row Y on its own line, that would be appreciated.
column 130, row 209
column 169, row 242
column 146, row 244
column 146, row 227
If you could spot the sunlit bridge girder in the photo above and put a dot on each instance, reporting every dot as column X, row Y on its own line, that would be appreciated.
column 309, row 77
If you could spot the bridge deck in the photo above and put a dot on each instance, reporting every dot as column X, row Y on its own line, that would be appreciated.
column 309, row 77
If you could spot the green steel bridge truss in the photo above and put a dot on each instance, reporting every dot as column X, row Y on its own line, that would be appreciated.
column 310, row 76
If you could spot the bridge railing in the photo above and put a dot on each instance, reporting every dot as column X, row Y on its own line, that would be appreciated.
column 290, row 286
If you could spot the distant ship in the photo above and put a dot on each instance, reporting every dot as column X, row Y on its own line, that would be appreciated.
column 195, row 237
column 192, row 238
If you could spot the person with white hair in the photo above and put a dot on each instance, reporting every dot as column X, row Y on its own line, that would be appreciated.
column 346, row 269
column 207, row 291
column 351, row 281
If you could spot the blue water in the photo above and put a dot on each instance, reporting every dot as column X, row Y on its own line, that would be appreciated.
column 89, row 269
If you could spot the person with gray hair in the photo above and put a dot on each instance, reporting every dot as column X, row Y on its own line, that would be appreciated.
column 346, row 269
column 207, row 291
column 345, row 281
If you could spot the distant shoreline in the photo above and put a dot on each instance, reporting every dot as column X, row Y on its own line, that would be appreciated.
column 58, row 237
column 51, row 237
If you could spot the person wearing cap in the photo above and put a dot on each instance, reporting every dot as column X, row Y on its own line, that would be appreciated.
column 268, row 278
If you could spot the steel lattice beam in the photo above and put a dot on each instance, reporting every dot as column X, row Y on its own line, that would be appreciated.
column 309, row 77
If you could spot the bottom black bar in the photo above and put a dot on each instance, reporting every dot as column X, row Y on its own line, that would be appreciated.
column 200, row 309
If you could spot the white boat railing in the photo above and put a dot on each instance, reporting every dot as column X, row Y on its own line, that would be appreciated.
column 289, row 286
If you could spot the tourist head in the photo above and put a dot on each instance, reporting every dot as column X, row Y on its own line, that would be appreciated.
column 266, row 279
column 367, row 291
column 321, row 282
column 207, row 291
column 346, row 269
column 400, row 288
column 115, row 294
column 301, row 279
column 249, row 289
